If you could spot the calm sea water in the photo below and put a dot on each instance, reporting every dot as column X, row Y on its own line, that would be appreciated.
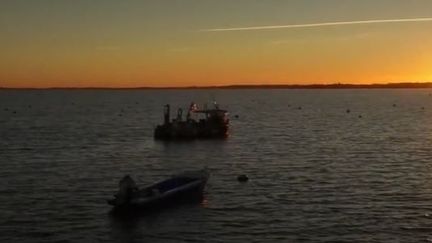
column 317, row 174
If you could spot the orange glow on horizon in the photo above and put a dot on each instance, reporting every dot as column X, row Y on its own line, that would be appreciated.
column 143, row 46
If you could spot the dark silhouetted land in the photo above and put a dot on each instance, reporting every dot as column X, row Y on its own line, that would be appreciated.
column 274, row 86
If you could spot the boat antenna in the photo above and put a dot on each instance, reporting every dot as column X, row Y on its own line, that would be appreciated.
column 213, row 98
column 166, row 114
column 216, row 105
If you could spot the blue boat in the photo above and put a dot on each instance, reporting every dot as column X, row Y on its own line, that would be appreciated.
column 180, row 186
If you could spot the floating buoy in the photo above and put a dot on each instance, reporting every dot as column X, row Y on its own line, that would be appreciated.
column 236, row 116
column 299, row 108
column 242, row 178
column 394, row 105
column 360, row 116
column 348, row 111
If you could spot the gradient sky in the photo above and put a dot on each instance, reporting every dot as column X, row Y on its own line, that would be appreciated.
column 110, row 43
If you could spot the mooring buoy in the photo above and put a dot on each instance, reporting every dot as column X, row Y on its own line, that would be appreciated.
column 242, row 178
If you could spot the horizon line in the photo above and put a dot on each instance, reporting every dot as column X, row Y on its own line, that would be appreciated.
column 322, row 24
column 257, row 86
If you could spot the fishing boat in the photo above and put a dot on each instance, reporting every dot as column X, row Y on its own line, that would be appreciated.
column 180, row 186
column 211, row 123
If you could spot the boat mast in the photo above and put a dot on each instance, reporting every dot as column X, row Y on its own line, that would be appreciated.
column 167, row 114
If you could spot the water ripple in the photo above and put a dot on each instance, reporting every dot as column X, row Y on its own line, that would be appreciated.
column 317, row 174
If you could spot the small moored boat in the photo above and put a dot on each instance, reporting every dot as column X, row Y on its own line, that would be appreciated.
column 184, row 185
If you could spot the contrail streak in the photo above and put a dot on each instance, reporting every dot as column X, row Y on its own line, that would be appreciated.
column 292, row 26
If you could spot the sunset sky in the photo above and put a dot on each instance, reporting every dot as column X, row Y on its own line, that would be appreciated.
column 110, row 43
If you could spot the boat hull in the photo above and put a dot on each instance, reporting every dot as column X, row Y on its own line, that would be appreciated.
column 191, row 188
column 185, row 131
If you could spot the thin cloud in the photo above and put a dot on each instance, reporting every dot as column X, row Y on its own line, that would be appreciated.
column 357, row 36
column 292, row 26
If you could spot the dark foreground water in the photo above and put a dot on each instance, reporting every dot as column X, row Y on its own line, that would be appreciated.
column 317, row 173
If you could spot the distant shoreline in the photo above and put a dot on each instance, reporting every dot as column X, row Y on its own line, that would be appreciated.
column 270, row 86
